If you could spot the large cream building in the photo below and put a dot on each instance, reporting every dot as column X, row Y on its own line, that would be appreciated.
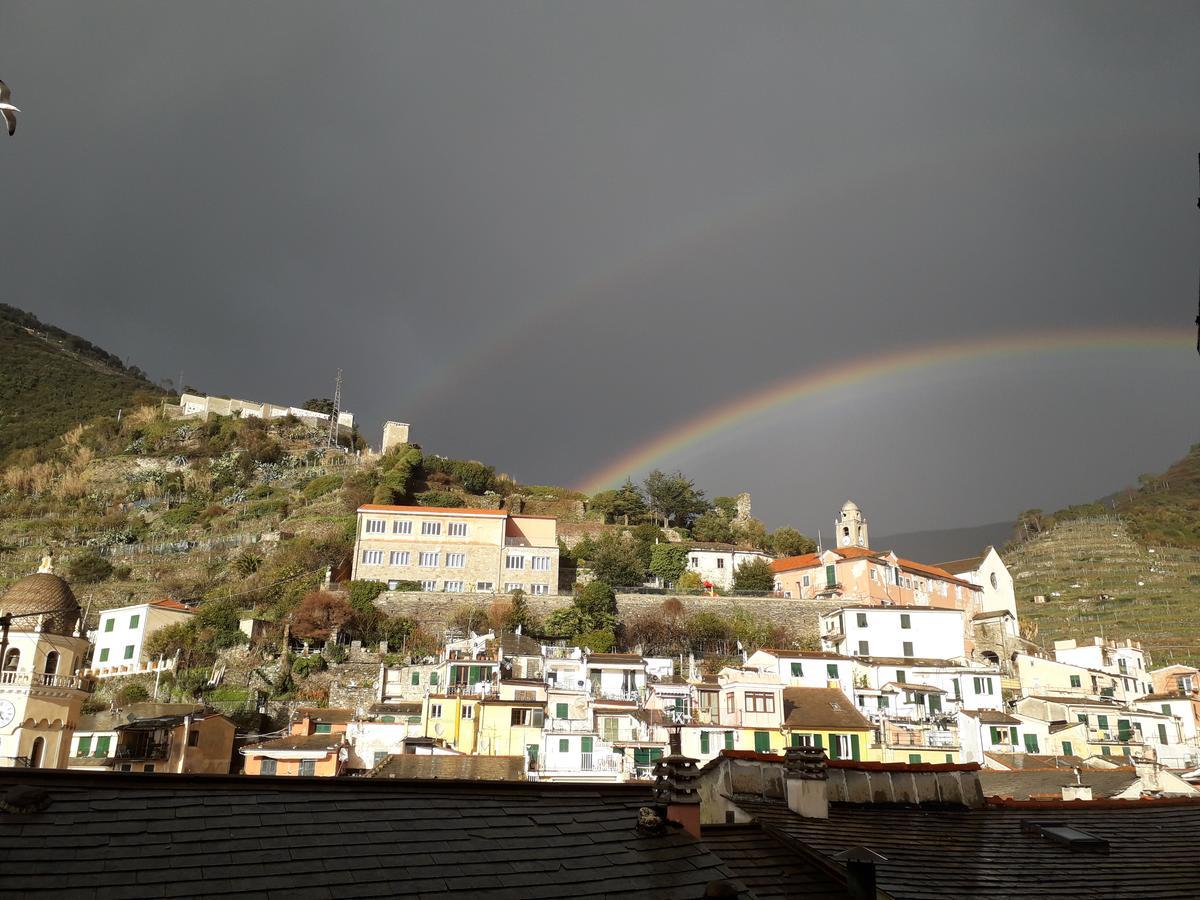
column 41, row 688
column 457, row 550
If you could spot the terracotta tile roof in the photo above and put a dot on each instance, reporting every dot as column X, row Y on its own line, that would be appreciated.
column 327, row 742
column 812, row 560
column 958, row 566
column 990, row 716
column 821, row 708
column 858, row 764
column 807, row 654
column 332, row 716
column 1035, row 760
column 168, row 603
column 450, row 510
column 1029, row 784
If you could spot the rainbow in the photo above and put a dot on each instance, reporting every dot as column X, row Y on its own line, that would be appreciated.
column 864, row 371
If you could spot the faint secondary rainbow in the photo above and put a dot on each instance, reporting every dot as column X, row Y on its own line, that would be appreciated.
column 865, row 370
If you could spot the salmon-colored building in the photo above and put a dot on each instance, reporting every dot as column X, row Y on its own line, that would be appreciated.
column 315, row 746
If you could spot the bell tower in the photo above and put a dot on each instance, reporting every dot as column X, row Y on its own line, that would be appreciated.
column 851, row 526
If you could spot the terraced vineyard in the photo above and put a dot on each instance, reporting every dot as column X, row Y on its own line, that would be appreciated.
column 1098, row 579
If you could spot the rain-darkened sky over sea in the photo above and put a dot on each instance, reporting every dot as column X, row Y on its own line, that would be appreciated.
column 937, row 257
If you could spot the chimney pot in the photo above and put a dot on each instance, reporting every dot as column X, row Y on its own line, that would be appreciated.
column 1077, row 792
column 676, row 788
column 806, row 780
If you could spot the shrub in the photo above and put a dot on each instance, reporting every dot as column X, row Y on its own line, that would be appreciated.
column 335, row 653
column 754, row 575
column 183, row 515
column 469, row 617
column 707, row 628
column 122, row 573
column 321, row 485
column 89, row 568
column 439, row 498
column 599, row 641
column 303, row 666
column 669, row 562
column 129, row 694
column 319, row 614
column 363, row 594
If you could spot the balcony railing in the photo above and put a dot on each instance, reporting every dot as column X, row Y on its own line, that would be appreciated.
column 37, row 679
column 142, row 750
column 616, row 695
column 571, row 726
column 1133, row 736
column 936, row 739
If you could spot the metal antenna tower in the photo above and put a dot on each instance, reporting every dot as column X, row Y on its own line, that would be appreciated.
column 337, row 406
column 1198, row 310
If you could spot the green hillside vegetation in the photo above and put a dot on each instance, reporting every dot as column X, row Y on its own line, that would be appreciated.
column 51, row 380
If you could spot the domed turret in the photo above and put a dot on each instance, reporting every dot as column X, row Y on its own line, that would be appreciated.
column 43, row 593
column 851, row 526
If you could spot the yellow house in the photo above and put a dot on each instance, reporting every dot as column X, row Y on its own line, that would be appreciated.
column 510, row 728
column 825, row 717
column 451, row 718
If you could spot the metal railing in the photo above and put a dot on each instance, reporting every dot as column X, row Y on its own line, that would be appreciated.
column 571, row 726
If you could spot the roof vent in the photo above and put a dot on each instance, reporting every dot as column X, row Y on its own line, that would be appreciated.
column 1071, row 838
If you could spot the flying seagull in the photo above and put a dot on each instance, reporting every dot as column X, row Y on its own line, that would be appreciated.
column 7, row 109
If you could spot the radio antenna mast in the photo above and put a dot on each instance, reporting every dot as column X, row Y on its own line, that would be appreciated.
column 337, row 406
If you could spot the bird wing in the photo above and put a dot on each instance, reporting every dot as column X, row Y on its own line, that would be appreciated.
column 11, row 119
column 5, row 93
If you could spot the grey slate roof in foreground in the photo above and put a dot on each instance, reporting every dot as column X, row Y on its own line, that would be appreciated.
column 153, row 835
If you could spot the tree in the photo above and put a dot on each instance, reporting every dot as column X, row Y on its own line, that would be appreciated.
column 754, row 575
column 674, row 499
column 616, row 561
column 319, row 614
column 324, row 405
column 519, row 614
column 89, row 568
column 706, row 628
column 688, row 581
column 623, row 503
column 787, row 541
column 751, row 533
column 669, row 562
column 712, row 526
column 726, row 505
column 593, row 609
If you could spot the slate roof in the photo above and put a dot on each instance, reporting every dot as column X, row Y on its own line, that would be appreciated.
column 451, row 765
column 1035, row 760
column 156, row 835
column 769, row 865
column 327, row 742
column 984, row 853
column 1033, row 783
column 821, row 708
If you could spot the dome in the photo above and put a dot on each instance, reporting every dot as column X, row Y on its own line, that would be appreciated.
column 850, row 506
column 41, row 593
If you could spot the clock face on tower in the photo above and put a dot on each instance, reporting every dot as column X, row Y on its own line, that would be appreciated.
column 7, row 712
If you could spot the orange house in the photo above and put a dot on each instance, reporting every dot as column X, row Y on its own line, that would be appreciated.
column 316, row 745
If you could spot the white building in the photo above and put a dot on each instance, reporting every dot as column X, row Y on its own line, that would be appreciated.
column 1124, row 660
column 989, row 572
column 197, row 405
column 717, row 563
column 894, row 631
column 120, row 637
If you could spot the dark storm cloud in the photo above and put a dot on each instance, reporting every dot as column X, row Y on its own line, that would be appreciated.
column 543, row 233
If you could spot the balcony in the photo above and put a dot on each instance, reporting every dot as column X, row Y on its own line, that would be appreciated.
column 571, row 726
column 1133, row 736
column 628, row 736
column 147, row 749
column 936, row 740
column 635, row 696
column 37, row 679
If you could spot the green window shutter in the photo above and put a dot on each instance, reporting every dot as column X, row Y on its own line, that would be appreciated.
column 949, row 757
column 416, row 677
column 1166, row 707
column 762, row 742
column 1031, row 743
column 102, row 746
column 861, row 619
column 830, row 576
column 1076, row 681
column 433, row 679
column 905, row 620
column 1102, row 723
column 729, row 740
column 129, row 651
column 1124, row 729
column 704, row 742
column 560, row 710
column 1162, row 733
column 914, row 758
column 133, row 621
column 108, row 624
column 323, row 728
column 1105, row 751
column 564, row 745
column 85, row 746
column 908, row 648
column 884, row 701
column 472, row 674
column 833, row 747
column 935, row 703
column 854, row 748
column 1082, row 717
column 531, row 750
column 831, row 670
column 797, row 669
column 957, row 689
column 818, row 741
column 585, row 744
column 1067, row 750
column 901, row 676
column 796, row 740
column 996, row 739
column 1012, row 736
column 104, row 655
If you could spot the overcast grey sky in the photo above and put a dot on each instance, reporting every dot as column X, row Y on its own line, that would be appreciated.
column 545, row 233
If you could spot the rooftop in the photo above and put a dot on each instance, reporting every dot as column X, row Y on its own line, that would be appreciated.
column 822, row 708
column 451, row 766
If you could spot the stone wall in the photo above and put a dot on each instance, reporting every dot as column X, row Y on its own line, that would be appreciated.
column 434, row 609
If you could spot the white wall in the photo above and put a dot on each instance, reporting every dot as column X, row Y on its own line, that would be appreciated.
column 933, row 633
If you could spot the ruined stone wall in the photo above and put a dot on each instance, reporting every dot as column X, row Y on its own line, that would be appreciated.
column 434, row 609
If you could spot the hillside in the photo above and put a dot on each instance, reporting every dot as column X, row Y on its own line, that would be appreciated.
column 52, row 380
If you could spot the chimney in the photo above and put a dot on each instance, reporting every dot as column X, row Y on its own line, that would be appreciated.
column 860, row 872
column 806, row 777
column 676, row 787
column 1147, row 771
column 1077, row 792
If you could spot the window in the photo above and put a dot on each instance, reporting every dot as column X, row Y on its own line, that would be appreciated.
column 134, row 619
column 564, row 745
column 380, row 756
column 914, row 758
column 762, row 741
column 109, row 623
column 1185, row 683
column 541, row 564
column 884, row 701
column 1166, row 707
column 984, row 686
column 402, row 526
column 1121, row 665
column 510, row 586
column 729, row 740
column 433, row 679
column 842, row 747
column 908, row 648
column 806, row 581
column 957, row 690
column 431, row 528
column 104, row 654
column 129, row 651
column 905, row 620
column 456, row 560
column 428, row 558
column 267, row 767
column 429, row 585
column 1162, row 733
column 194, row 737
column 84, row 747
column 399, row 558
column 308, row 767
column 514, row 561
column 533, row 718
column 797, row 670
column 1031, row 743
column 704, row 742
column 901, row 676
column 760, row 702
column 323, row 728
column 830, row 576
column 372, row 557
column 729, row 703
column 831, row 670
column 1076, row 681
column 435, row 710
column 874, row 575
column 486, row 586
column 457, row 529
column 416, row 678
column 539, row 589
column 467, row 712
column 695, row 562
column 864, row 648
column 1106, row 750
column 560, row 711
column 1102, row 723
column 375, row 526
column 720, row 563
column 805, row 740
column 453, row 587
column 1067, row 749
column 862, row 619
column 1082, row 717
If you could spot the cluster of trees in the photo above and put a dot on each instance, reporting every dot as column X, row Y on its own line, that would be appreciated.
column 673, row 501
column 670, row 630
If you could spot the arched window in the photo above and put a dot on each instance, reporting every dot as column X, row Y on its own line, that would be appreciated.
column 51, row 662
column 11, row 659
column 35, row 753
column 991, row 657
